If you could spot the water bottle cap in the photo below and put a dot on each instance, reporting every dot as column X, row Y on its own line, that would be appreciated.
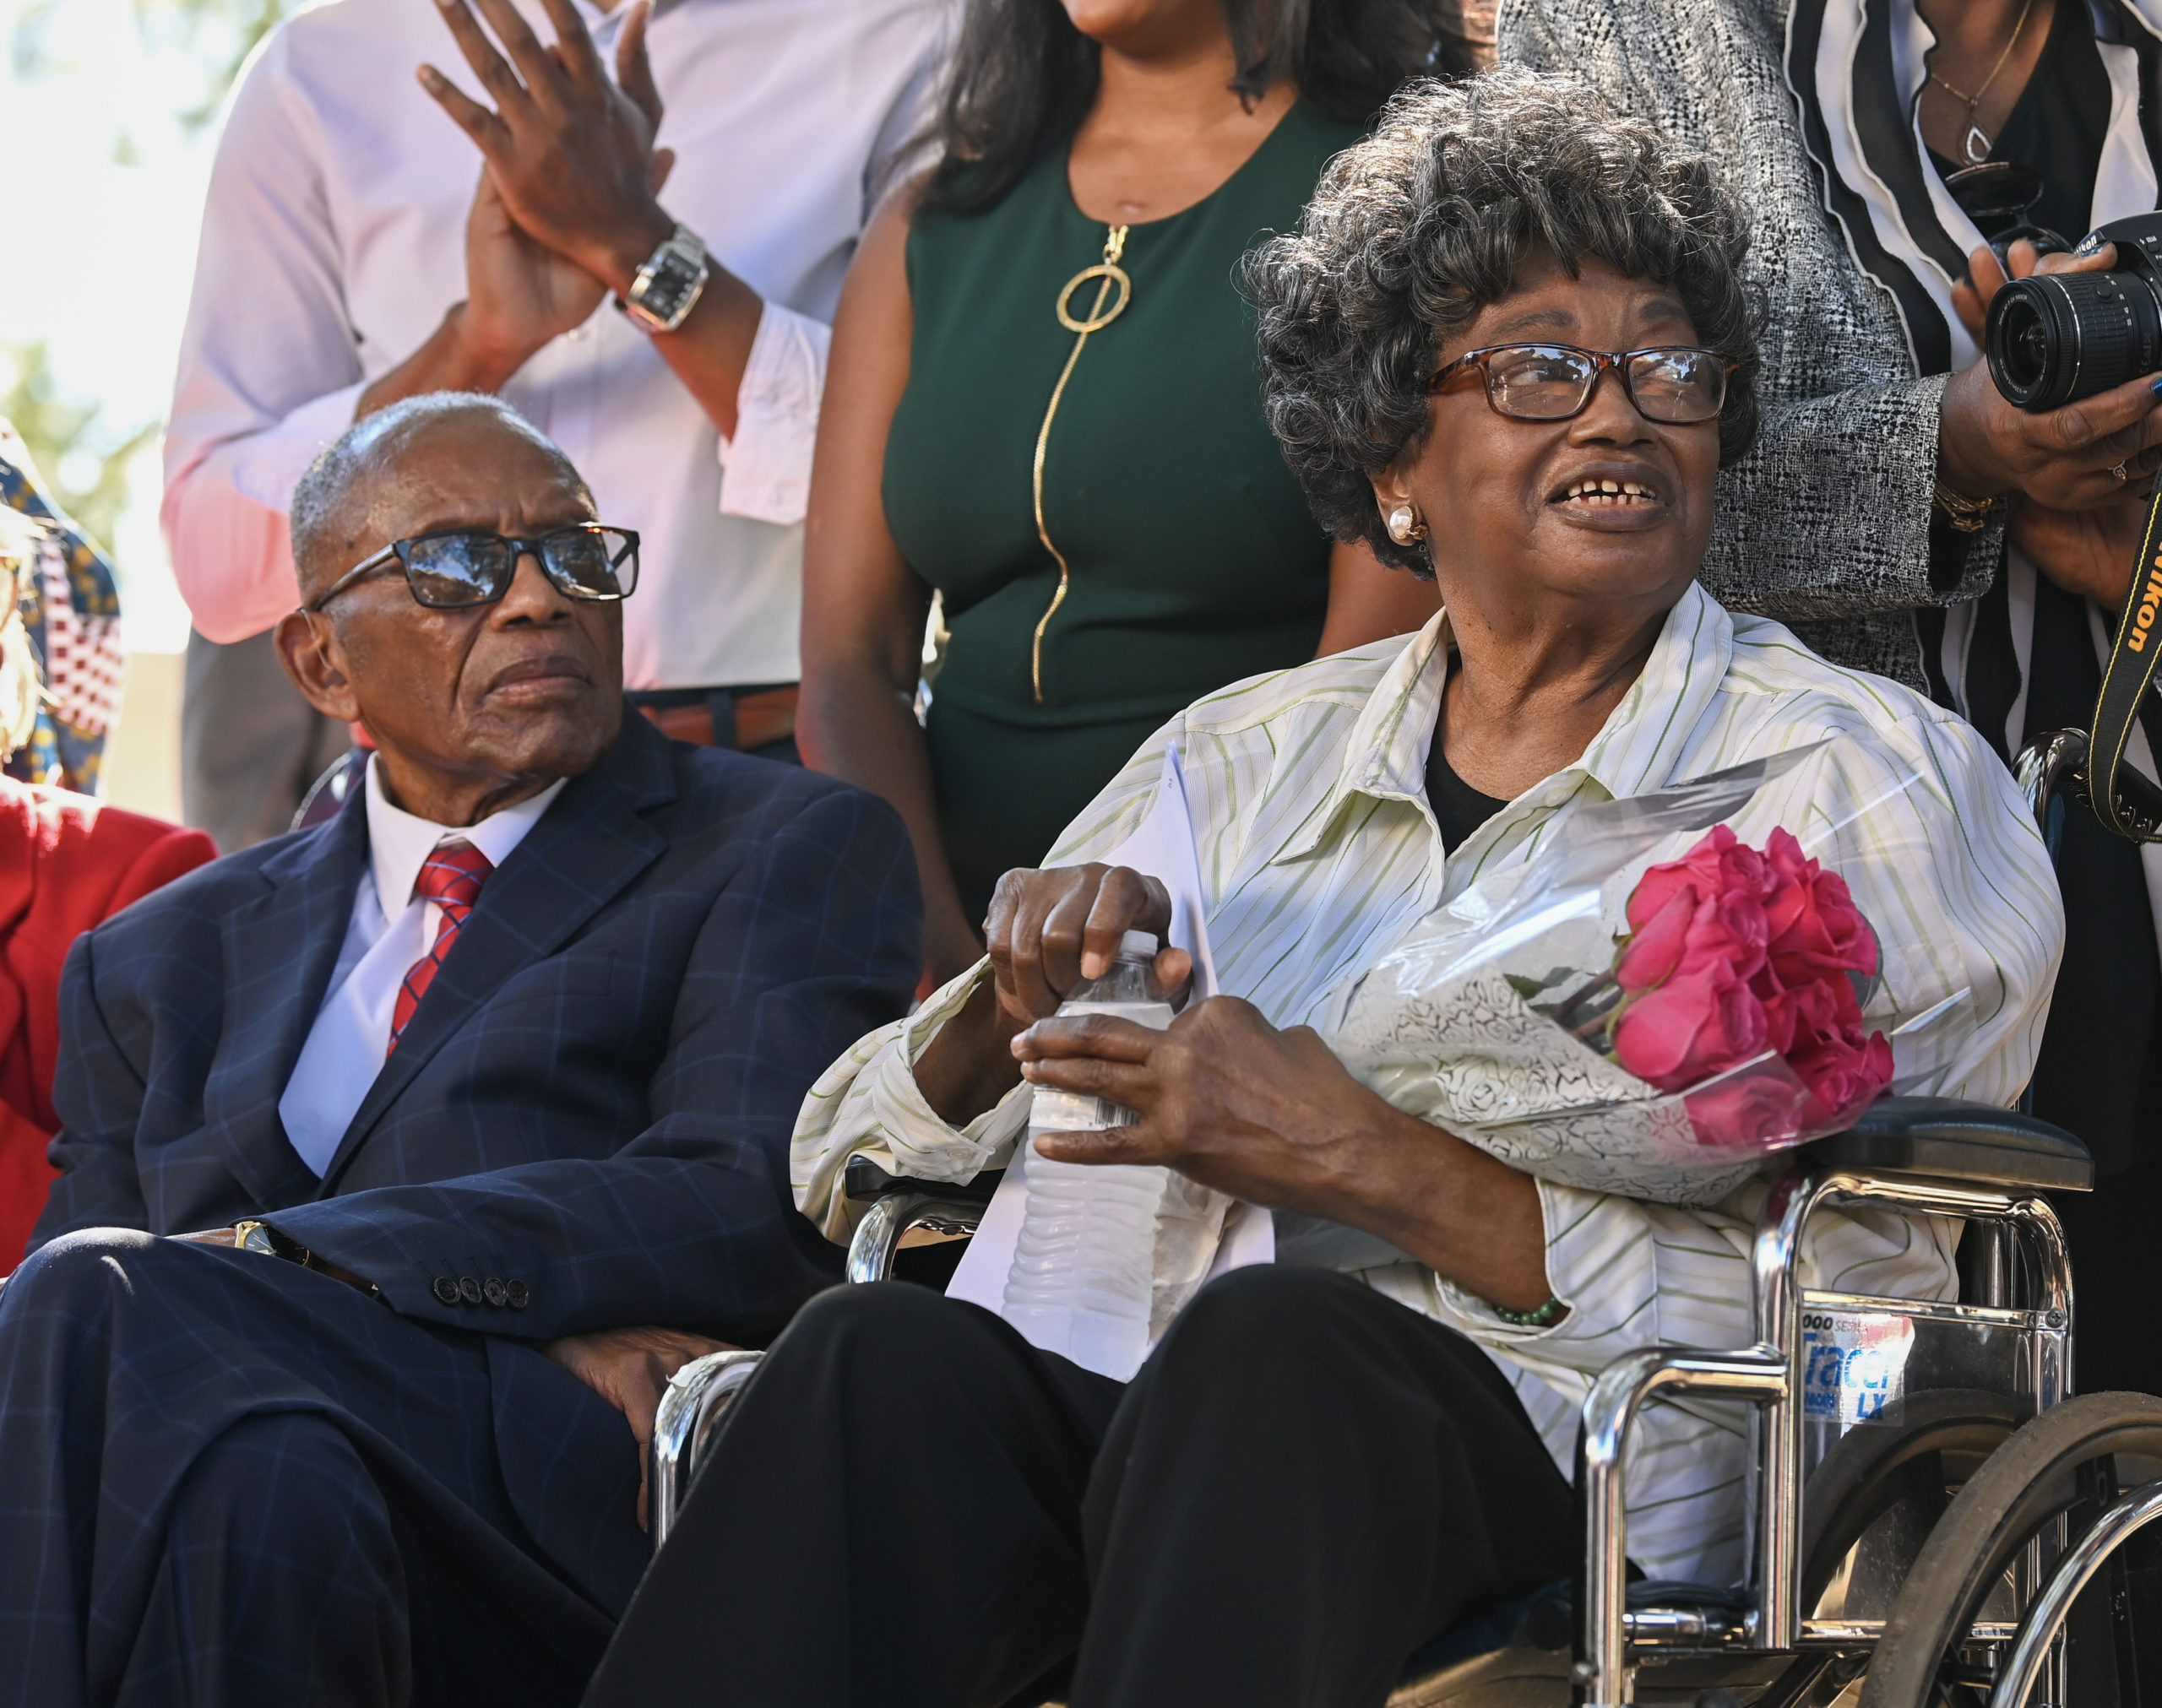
column 1140, row 945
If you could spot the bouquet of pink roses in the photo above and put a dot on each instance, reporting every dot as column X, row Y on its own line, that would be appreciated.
column 1626, row 1023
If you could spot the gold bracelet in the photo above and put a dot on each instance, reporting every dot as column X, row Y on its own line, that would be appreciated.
column 1968, row 515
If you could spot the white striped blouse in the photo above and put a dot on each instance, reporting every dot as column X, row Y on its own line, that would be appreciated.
column 1319, row 849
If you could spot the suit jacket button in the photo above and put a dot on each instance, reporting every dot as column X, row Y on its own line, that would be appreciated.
column 498, row 1294
column 445, row 1289
column 518, row 1296
column 469, row 1289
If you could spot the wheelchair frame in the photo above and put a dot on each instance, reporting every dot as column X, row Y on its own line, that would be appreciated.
column 1936, row 1157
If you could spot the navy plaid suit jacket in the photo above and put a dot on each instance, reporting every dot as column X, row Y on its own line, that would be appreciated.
column 593, row 1099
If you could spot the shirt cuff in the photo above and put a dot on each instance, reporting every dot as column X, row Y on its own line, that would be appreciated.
column 266, row 466
column 765, row 469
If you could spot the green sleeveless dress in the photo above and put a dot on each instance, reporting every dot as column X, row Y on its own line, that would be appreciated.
column 1192, row 559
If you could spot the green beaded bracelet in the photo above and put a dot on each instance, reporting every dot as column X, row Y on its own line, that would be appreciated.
column 1544, row 1317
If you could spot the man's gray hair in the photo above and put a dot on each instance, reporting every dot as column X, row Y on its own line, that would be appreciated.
column 319, row 500
column 1418, row 227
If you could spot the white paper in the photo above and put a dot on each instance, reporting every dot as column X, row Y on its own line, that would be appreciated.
column 1161, row 847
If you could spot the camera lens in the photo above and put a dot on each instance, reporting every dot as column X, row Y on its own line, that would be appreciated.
column 2056, row 338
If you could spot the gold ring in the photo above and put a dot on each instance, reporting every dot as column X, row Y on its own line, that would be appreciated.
column 1103, row 316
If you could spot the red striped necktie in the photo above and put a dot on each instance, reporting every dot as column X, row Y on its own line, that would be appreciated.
column 452, row 880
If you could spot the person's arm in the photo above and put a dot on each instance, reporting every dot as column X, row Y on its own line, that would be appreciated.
column 809, row 942
column 268, row 373
column 864, row 608
column 570, row 148
column 99, row 1086
column 1369, row 601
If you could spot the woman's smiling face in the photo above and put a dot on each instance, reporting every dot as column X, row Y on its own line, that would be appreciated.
column 1605, row 509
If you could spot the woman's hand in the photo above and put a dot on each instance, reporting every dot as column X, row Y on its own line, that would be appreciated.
column 2066, row 459
column 1272, row 1117
column 2091, row 552
column 1048, row 931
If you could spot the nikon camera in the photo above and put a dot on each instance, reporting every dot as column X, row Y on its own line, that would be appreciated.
column 2053, row 338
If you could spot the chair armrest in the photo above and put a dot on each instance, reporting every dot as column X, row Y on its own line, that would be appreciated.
column 689, row 1412
column 1945, row 1138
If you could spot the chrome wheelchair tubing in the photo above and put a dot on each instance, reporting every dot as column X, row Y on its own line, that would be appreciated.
column 2046, row 766
column 878, row 1235
column 2039, row 1636
column 682, row 1425
column 1775, row 1573
column 1602, row 1672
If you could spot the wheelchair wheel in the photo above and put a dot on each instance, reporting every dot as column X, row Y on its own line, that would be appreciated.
column 2050, row 1466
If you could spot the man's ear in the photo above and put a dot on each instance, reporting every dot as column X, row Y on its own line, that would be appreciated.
column 309, row 647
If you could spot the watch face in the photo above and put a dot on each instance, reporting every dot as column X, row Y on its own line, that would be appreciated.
column 673, row 281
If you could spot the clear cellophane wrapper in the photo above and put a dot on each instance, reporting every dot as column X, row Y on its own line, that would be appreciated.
column 1437, row 1027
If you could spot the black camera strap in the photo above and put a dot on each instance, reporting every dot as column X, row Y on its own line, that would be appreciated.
column 2128, row 679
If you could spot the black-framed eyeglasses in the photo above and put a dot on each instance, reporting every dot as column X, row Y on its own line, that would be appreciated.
column 1674, row 384
column 455, row 567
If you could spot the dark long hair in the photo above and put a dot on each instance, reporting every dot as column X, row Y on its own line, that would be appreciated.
column 1023, row 78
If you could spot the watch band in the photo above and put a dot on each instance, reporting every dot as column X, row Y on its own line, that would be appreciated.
column 667, row 288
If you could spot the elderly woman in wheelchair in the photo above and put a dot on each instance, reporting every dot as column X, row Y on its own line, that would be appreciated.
column 1508, row 348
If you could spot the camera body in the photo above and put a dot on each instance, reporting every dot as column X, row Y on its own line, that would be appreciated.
column 2053, row 338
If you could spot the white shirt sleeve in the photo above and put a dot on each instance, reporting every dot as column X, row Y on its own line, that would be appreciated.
column 269, row 372
column 765, row 470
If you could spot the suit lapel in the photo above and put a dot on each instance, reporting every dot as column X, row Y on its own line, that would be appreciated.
column 587, row 849
column 279, row 952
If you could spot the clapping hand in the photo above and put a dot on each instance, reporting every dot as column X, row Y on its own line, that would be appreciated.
column 570, row 152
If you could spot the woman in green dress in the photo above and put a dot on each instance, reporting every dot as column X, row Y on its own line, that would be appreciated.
column 1043, row 405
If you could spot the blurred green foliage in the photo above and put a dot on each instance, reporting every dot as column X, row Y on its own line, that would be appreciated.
column 82, row 462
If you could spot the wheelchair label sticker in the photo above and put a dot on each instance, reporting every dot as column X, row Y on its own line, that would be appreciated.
column 1854, row 1363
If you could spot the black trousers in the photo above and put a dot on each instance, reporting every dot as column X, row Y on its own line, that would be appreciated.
column 911, row 1505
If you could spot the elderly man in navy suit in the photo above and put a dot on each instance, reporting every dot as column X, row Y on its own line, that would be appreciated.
column 406, row 1158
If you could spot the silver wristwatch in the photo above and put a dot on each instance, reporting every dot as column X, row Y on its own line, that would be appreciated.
column 666, row 288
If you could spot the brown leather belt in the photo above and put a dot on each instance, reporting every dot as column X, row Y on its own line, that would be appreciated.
column 744, row 719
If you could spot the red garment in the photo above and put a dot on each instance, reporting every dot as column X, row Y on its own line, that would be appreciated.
column 66, row 862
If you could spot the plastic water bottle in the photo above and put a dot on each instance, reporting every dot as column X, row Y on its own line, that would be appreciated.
column 1081, row 1280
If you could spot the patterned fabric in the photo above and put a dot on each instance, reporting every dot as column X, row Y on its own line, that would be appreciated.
column 1825, row 524
column 1318, row 849
column 450, row 877
column 71, row 607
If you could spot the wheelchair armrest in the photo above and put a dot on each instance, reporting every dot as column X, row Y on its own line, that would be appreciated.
column 689, row 1412
column 899, row 1206
column 1944, row 1139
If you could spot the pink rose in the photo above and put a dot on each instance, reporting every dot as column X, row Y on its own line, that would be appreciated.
column 1750, row 1112
column 1816, row 930
column 1845, row 1072
column 1699, row 1023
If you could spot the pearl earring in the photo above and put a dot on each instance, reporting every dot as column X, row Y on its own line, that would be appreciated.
column 1404, row 526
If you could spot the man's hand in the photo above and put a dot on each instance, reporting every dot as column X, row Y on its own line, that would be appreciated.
column 518, row 294
column 570, row 148
column 2066, row 458
column 629, row 1368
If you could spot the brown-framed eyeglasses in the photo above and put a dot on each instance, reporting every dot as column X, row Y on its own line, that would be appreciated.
column 1676, row 385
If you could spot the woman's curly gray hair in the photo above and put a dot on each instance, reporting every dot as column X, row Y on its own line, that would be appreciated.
column 1416, row 229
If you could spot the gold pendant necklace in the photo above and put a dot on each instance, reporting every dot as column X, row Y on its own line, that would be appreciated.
column 1108, row 275
column 1977, row 141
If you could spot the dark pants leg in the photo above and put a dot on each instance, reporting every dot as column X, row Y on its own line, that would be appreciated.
column 910, row 1505
column 249, row 744
column 227, row 1480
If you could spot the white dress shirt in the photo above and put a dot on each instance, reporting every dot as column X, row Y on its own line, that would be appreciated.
column 390, row 930
column 1318, row 849
column 333, row 242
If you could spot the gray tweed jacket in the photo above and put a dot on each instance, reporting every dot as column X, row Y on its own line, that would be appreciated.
column 1825, row 523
